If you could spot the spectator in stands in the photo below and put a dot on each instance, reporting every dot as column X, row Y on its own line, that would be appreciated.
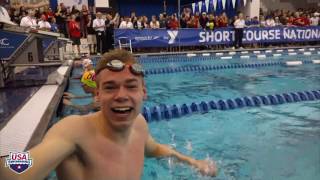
column 314, row 20
column 255, row 22
column 61, row 17
column 262, row 21
column 48, row 13
column 290, row 20
column 232, row 20
column 133, row 16
column 193, row 22
column 145, row 22
column 239, row 25
column 44, row 24
column 126, row 24
column 184, row 21
column 283, row 19
column 154, row 24
column 137, row 24
column 211, row 22
column 110, row 25
column 248, row 21
column 277, row 21
column 305, row 19
column 53, row 24
column 74, row 10
column 203, row 20
column 173, row 23
column 91, row 38
column 99, row 27
column 223, row 20
column 29, row 20
column 84, row 20
column 162, row 21
column 74, row 33
column 270, row 22
column 298, row 21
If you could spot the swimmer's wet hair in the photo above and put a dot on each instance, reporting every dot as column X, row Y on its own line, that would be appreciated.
column 119, row 54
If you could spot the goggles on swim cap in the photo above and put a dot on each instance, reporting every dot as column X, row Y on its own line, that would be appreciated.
column 117, row 66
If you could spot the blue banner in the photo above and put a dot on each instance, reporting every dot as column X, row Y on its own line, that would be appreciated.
column 196, row 37
column 10, row 42
column 46, row 42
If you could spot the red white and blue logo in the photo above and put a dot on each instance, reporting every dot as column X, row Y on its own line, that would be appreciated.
column 19, row 162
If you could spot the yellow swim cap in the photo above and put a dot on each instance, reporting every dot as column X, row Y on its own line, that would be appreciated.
column 88, row 78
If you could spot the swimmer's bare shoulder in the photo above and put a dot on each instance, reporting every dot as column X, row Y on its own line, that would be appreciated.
column 59, row 142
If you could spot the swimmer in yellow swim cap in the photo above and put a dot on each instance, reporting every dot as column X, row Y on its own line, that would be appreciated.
column 89, row 87
column 88, row 79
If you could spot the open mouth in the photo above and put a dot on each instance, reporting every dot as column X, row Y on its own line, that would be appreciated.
column 122, row 110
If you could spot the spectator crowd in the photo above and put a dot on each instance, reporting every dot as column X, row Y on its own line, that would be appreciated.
column 98, row 28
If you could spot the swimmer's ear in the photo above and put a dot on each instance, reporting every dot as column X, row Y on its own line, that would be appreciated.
column 145, row 97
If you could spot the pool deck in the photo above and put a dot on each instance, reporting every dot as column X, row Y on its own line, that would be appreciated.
column 27, row 127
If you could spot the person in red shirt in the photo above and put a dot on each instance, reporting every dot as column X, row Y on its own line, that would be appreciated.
column 223, row 20
column 305, row 20
column 74, row 32
column 173, row 23
column 193, row 22
column 49, row 14
column 298, row 21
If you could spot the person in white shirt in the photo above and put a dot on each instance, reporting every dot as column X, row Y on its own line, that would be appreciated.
column 314, row 20
column 44, row 24
column 98, row 25
column 29, row 20
column 4, row 17
column 239, row 24
column 270, row 22
column 154, row 24
column 126, row 24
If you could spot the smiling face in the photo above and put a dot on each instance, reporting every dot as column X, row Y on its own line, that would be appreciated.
column 120, row 95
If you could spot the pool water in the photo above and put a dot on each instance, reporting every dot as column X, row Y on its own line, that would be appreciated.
column 269, row 142
column 188, row 87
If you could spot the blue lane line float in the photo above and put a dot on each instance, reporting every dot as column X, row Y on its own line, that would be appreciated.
column 195, row 57
column 167, row 70
column 167, row 112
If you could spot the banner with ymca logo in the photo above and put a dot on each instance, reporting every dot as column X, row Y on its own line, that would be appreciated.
column 196, row 37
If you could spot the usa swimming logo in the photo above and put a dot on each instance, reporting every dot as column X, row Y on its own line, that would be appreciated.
column 19, row 162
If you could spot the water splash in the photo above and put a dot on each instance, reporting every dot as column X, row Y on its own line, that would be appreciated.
column 189, row 145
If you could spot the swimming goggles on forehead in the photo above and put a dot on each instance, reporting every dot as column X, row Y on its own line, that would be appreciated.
column 117, row 66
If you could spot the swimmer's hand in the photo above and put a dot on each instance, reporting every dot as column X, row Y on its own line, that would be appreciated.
column 206, row 168
column 67, row 102
column 68, row 95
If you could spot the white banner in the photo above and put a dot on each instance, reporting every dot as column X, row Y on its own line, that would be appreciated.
column 200, row 6
column 77, row 3
column 234, row 3
column 224, row 4
column 207, row 5
column 102, row 3
column 215, row 2
column 193, row 7
column 244, row 2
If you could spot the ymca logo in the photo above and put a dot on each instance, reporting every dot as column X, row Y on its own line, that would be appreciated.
column 19, row 162
column 173, row 35
column 4, row 42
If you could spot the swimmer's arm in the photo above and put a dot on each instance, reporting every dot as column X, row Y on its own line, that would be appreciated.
column 154, row 149
column 55, row 147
